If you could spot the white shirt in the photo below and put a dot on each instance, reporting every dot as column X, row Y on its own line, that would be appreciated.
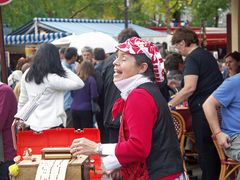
column 50, row 112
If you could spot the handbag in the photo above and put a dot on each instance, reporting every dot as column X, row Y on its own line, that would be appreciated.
column 23, row 114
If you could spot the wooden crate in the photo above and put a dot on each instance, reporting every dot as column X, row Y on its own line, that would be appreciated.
column 76, row 170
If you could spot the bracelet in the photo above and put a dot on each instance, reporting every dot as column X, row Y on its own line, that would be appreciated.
column 217, row 133
column 99, row 149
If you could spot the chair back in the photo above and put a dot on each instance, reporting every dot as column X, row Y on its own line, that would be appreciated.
column 180, row 128
column 179, row 125
column 229, row 167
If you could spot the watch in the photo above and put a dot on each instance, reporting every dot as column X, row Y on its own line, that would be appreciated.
column 99, row 149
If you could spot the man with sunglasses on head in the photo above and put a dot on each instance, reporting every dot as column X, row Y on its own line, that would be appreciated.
column 201, row 77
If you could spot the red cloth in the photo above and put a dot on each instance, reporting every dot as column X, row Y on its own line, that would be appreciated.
column 186, row 114
column 117, row 107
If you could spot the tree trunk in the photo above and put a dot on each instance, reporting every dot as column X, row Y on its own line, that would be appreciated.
column 167, row 13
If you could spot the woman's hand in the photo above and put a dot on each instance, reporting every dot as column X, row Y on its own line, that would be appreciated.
column 83, row 146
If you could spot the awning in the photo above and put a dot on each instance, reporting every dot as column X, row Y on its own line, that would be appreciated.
column 79, row 26
column 33, row 38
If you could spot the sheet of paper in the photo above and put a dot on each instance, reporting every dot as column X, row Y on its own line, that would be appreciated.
column 52, row 169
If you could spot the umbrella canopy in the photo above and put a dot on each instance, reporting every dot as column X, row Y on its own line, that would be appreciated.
column 91, row 39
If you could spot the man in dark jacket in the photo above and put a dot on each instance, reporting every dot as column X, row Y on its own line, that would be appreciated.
column 110, row 91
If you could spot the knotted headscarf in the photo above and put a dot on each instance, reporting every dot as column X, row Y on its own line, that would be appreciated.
column 137, row 45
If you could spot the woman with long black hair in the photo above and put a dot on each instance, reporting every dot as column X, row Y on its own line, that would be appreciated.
column 46, row 76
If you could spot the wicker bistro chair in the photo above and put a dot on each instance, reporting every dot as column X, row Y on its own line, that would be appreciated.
column 229, row 167
column 179, row 125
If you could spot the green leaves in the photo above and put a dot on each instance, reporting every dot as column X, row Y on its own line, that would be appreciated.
column 142, row 12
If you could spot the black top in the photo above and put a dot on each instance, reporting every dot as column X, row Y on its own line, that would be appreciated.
column 202, row 63
column 165, row 155
column 110, row 93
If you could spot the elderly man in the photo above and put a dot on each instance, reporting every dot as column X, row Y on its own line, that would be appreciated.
column 87, row 54
column 201, row 77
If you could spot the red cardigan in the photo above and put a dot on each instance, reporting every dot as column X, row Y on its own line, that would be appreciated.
column 139, row 116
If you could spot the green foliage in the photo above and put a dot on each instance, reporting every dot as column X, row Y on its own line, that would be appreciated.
column 208, row 10
column 142, row 12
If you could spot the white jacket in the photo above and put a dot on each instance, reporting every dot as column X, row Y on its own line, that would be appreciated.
column 50, row 112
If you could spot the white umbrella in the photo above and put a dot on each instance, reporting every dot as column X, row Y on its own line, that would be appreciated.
column 91, row 39
column 94, row 40
column 65, row 40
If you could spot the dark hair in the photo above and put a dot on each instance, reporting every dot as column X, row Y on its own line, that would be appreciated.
column 126, row 34
column 186, row 34
column 142, row 58
column 235, row 55
column 99, row 54
column 163, row 87
column 70, row 52
column 165, row 45
column 45, row 61
column 172, row 61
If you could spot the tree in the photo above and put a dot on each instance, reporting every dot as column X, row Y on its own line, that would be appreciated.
column 208, row 10
column 160, row 12
column 18, row 12
column 142, row 12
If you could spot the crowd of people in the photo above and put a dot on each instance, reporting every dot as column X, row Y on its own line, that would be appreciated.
column 126, row 95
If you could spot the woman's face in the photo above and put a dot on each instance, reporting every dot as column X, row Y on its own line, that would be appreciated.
column 233, row 65
column 125, row 66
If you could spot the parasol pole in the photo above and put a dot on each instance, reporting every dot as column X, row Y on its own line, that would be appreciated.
column 2, row 52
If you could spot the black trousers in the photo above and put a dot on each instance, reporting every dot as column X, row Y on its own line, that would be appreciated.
column 208, row 157
column 82, row 119
column 4, row 174
column 69, row 123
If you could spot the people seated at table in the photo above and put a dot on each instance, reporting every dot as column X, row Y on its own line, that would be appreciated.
column 232, row 61
column 174, row 67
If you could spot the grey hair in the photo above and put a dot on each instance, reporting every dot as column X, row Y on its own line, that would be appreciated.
column 87, row 49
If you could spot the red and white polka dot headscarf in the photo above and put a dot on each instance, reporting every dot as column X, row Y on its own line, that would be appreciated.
column 137, row 45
